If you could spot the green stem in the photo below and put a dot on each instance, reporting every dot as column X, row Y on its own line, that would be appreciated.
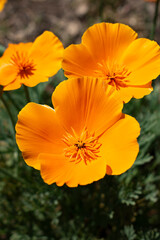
column 5, row 152
column 27, row 93
column 4, row 171
column 154, row 24
column 2, row 49
column 101, row 7
column 13, row 125
column 1, row 91
column 9, row 112
column 12, row 101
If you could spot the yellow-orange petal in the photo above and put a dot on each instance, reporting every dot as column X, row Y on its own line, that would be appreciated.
column 38, row 131
column 7, row 74
column 47, row 52
column 57, row 168
column 22, row 48
column 107, row 41
column 119, row 145
column 142, row 58
column 13, row 85
column 2, row 3
column 100, row 43
column 78, row 61
column 17, row 82
column 30, row 82
column 34, row 79
column 135, row 91
column 86, row 102
column 8, row 70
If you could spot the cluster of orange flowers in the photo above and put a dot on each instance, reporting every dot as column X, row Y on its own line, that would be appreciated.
column 86, row 135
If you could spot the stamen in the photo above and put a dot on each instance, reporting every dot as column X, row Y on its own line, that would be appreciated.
column 115, row 75
column 84, row 147
column 25, row 66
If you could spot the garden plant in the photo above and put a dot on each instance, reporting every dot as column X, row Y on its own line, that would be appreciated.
column 80, row 135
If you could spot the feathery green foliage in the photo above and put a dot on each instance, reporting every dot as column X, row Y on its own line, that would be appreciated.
column 116, row 207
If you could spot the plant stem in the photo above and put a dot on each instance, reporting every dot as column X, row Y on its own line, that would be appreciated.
column 13, row 125
column 101, row 7
column 27, row 93
column 12, row 101
column 4, row 171
column 9, row 112
column 154, row 24
column 1, row 91
column 2, row 49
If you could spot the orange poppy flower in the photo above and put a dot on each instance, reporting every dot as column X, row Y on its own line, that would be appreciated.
column 113, row 52
column 2, row 3
column 31, row 63
column 82, row 139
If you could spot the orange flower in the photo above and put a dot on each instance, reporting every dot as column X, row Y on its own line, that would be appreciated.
column 31, row 63
column 112, row 52
column 2, row 3
column 85, row 137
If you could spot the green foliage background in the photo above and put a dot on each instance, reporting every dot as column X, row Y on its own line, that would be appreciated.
column 125, row 207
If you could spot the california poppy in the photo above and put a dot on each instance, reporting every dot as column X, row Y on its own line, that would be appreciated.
column 113, row 52
column 31, row 63
column 83, row 138
column 2, row 3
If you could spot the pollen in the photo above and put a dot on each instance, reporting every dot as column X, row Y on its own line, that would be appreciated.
column 118, row 78
column 84, row 147
column 114, row 75
column 25, row 66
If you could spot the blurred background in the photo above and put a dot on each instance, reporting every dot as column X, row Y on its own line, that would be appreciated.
column 23, row 20
column 125, row 207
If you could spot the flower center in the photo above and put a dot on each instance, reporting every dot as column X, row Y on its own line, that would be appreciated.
column 84, row 147
column 117, row 78
column 114, row 75
column 25, row 66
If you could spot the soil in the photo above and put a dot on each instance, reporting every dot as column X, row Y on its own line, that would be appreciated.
column 24, row 20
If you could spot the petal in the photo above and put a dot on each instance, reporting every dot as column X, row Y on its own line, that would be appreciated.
column 142, row 58
column 13, row 49
column 34, row 79
column 86, row 102
column 107, row 41
column 100, row 43
column 38, row 131
column 2, row 3
column 30, row 81
column 138, row 92
column 119, row 145
column 78, row 61
column 57, row 168
column 47, row 52
column 9, row 71
column 13, row 85
column 8, row 74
